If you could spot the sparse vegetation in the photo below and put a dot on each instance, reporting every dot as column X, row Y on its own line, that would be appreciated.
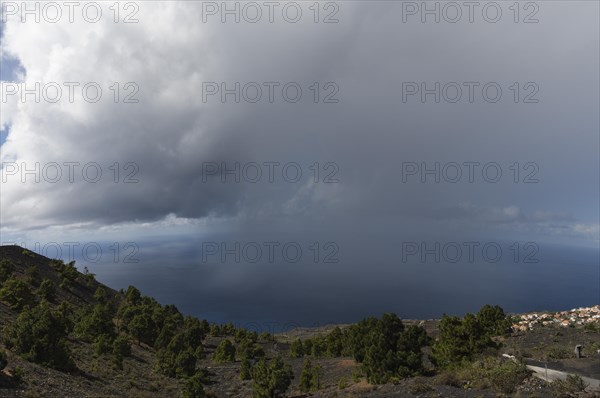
column 47, row 291
column 17, row 294
column 225, row 352
column 118, row 339
column 245, row 369
column 461, row 339
column 193, row 387
column 571, row 385
column 6, row 270
column 310, row 378
column 271, row 379
column 40, row 336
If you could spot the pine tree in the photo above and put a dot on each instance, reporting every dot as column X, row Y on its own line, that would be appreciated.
column 225, row 352
column 16, row 293
column 271, row 380
column 306, row 377
column 40, row 336
column 297, row 349
column 245, row 369
column 193, row 387
column 47, row 291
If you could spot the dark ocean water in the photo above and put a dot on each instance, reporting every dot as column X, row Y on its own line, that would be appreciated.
column 284, row 295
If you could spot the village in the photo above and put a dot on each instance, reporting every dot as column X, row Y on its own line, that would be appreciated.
column 576, row 317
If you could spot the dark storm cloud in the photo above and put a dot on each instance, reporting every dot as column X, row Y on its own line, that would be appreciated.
column 371, row 134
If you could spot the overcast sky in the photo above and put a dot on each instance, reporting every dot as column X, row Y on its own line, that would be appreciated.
column 371, row 143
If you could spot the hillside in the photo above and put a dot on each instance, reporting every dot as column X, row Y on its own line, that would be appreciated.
column 64, row 334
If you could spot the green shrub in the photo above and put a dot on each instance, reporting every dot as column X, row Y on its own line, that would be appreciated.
column 39, row 336
column 193, row 387
column 250, row 349
column 16, row 293
column 245, row 369
column 335, row 342
column 103, row 344
column 266, row 336
column 47, row 291
column 557, row 352
column 271, row 379
column 310, row 378
column 185, row 363
column 297, row 349
column 225, row 352
column 506, row 377
column 95, row 323
column 6, row 270
column 461, row 339
column 357, row 374
column 165, row 362
column 32, row 275
column 122, row 346
column 503, row 376
column 117, row 360
column 592, row 348
column 27, row 253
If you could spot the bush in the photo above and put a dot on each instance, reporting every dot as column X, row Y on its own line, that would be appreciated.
column 69, row 271
column 343, row 383
column 493, row 320
column 103, row 344
column 266, row 336
column 356, row 374
column 570, row 386
column 143, row 328
column 122, row 346
column 225, row 352
column 117, row 360
column 47, row 291
column 16, row 293
column 271, row 380
column 6, row 270
column 245, row 369
column 503, row 376
column 185, row 363
column 95, row 323
column 592, row 348
column 335, row 342
column 32, row 275
column 297, row 349
column 250, row 349
column 506, row 377
column 165, row 362
column 310, row 378
column 391, row 351
column 193, row 387
column 39, row 336
column 461, row 339
column 557, row 352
